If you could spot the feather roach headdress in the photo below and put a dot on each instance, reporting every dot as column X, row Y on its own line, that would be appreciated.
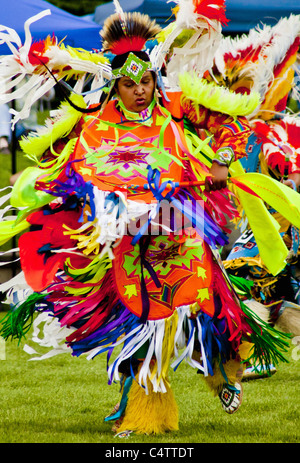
column 127, row 32
column 125, row 35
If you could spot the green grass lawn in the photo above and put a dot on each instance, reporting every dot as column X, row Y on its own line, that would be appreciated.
column 64, row 400
column 6, row 166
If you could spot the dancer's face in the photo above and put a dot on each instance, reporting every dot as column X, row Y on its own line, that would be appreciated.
column 136, row 97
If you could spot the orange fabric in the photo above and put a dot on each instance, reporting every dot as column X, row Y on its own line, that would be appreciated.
column 125, row 154
column 227, row 131
column 185, row 272
column 174, row 104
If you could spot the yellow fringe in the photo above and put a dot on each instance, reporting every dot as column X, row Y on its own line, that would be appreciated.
column 154, row 413
column 217, row 98
column 54, row 129
column 167, row 349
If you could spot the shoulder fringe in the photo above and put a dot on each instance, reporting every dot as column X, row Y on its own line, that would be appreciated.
column 55, row 128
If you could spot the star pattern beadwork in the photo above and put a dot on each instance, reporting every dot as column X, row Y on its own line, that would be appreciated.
column 134, row 68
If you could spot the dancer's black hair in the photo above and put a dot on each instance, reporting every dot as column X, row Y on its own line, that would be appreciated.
column 116, row 63
column 119, row 60
column 63, row 91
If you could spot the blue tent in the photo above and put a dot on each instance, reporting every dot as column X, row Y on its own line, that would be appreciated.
column 78, row 32
column 246, row 14
column 243, row 14
column 161, row 10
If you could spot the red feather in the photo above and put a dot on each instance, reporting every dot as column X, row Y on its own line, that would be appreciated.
column 212, row 10
column 126, row 44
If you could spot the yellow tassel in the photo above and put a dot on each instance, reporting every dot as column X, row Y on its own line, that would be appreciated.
column 54, row 129
column 154, row 413
column 245, row 350
column 233, row 370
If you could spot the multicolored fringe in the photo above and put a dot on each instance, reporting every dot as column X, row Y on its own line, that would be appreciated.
column 18, row 321
column 106, row 324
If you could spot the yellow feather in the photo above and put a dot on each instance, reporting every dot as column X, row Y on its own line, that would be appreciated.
column 153, row 413
column 216, row 98
column 54, row 129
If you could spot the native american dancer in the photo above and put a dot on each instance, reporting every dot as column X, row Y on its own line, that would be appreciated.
column 266, row 60
column 123, row 215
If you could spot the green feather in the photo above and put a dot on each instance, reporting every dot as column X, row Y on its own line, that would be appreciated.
column 19, row 319
column 268, row 343
column 241, row 285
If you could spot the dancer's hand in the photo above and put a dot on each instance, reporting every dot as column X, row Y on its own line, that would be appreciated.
column 218, row 178
column 293, row 181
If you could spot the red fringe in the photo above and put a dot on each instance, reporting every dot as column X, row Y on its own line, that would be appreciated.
column 212, row 10
column 231, row 309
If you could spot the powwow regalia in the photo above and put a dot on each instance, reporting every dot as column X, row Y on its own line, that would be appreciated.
column 120, row 239
column 267, row 59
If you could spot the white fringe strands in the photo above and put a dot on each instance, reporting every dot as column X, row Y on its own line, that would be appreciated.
column 272, row 45
column 47, row 332
column 23, row 78
column 115, row 216
column 189, row 43
column 166, row 339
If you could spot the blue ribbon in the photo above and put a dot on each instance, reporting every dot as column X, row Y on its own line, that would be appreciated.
column 191, row 209
column 75, row 184
column 157, row 190
column 123, row 402
column 71, row 89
